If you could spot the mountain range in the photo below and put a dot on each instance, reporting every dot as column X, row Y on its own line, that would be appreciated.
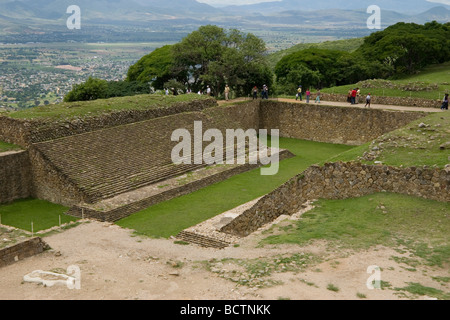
column 406, row 7
column 24, row 17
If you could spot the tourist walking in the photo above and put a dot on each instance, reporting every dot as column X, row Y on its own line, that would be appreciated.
column 227, row 92
column 208, row 90
column 318, row 97
column 308, row 95
column 354, row 92
column 349, row 96
column 368, row 100
column 265, row 92
column 445, row 103
column 299, row 94
column 255, row 93
column 358, row 95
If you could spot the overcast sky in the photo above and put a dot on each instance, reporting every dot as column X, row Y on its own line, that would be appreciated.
column 447, row 2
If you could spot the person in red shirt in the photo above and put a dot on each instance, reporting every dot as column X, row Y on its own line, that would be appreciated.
column 354, row 92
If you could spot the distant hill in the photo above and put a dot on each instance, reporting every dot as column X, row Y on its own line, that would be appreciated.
column 113, row 10
column 409, row 7
column 348, row 45
column 440, row 14
column 31, row 18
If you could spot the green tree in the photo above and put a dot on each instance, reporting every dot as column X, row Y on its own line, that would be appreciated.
column 155, row 68
column 310, row 67
column 211, row 56
column 408, row 47
column 92, row 89
column 300, row 75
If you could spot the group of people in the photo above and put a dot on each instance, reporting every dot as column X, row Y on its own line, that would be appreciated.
column 264, row 92
column 299, row 95
column 354, row 96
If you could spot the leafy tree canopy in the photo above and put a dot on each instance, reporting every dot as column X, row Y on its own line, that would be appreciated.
column 215, row 57
column 401, row 49
column 408, row 47
column 155, row 68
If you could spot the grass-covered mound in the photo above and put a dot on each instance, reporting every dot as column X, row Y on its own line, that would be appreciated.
column 70, row 110
column 418, row 144
column 431, row 83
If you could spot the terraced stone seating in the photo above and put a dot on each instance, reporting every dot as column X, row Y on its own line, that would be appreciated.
column 112, row 161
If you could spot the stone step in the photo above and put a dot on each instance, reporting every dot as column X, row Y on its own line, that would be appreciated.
column 202, row 240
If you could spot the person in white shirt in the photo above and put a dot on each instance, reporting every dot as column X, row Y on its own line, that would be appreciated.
column 368, row 100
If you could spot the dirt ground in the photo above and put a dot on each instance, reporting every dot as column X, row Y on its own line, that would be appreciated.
column 116, row 265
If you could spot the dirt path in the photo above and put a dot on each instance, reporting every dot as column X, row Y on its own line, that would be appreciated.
column 344, row 104
column 114, row 264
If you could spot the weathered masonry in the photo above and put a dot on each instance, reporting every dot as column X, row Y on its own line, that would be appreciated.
column 83, row 162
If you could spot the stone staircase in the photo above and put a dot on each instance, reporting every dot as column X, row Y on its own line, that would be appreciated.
column 202, row 240
column 112, row 161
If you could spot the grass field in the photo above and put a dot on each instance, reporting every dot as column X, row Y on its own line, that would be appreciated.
column 97, row 107
column 430, row 83
column 8, row 147
column 408, row 146
column 44, row 215
column 171, row 217
column 379, row 219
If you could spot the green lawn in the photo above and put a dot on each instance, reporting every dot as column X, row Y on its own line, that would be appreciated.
column 8, row 147
column 97, row 107
column 44, row 215
column 433, row 81
column 171, row 217
column 420, row 226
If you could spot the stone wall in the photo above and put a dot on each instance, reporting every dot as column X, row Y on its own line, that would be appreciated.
column 395, row 101
column 25, row 132
column 50, row 183
column 341, row 181
column 242, row 115
column 341, row 125
column 15, row 176
column 22, row 250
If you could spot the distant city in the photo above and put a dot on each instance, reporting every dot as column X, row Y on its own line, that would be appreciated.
column 33, row 74
column 41, row 59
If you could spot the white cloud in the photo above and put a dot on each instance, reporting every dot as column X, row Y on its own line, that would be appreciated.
column 447, row 2
column 222, row 3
